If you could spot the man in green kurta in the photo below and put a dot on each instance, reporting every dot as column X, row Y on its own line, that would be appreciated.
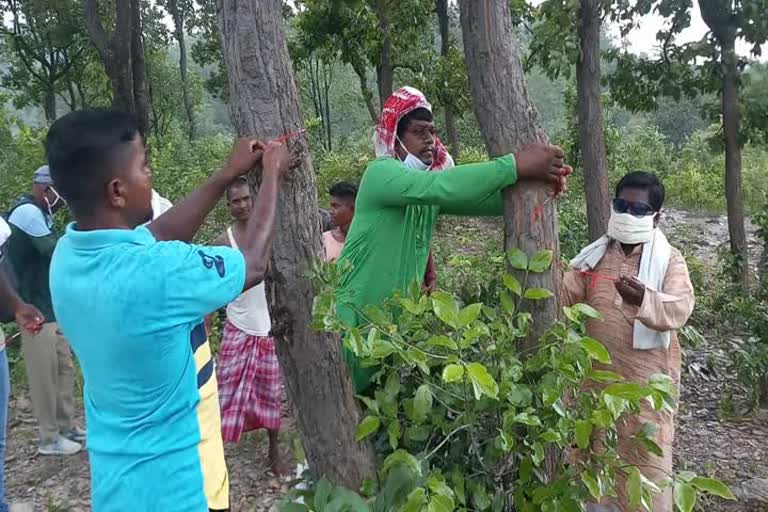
column 398, row 204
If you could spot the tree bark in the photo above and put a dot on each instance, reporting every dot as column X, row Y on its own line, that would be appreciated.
column 265, row 102
column 445, row 45
column 590, row 118
column 385, row 71
column 138, row 69
column 360, row 71
column 509, row 121
column 50, row 104
column 178, row 23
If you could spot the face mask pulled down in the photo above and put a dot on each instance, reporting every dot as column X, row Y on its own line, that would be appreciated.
column 411, row 161
column 628, row 229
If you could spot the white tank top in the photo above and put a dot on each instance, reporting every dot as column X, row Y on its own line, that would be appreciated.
column 249, row 311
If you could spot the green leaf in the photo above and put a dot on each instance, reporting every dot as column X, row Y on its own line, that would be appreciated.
column 442, row 341
column 293, row 507
column 538, row 453
column 422, row 403
column 550, row 436
column 453, row 373
column 394, row 433
column 370, row 404
column 517, row 259
column 588, row 311
column 537, row 294
column 482, row 381
column 401, row 458
column 595, row 349
column 392, row 386
column 323, row 492
column 417, row 433
column 685, row 497
column 507, row 441
column 540, row 261
column 712, row 486
column 480, row 496
column 416, row 500
column 411, row 307
column 368, row 426
column 592, row 486
column 663, row 383
column 634, row 488
column 583, row 433
column 627, row 391
column 418, row 358
column 520, row 395
column 604, row 376
column 344, row 500
column 382, row 349
column 527, row 419
column 445, row 307
column 526, row 470
column 437, row 485
column 440, row 503
column 507, row 302
column 469, row 314
column 512, row 284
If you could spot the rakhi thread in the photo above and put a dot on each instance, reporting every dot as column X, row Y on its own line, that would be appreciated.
column 287, row 136
column 594, row 277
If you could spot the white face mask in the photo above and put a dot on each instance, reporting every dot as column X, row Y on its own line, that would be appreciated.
column 628, row 229
column 51, row 205
column 410, row 160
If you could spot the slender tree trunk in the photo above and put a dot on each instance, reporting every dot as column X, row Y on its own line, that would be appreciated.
column 731, row 129
column 385, row 71
column 590, row 118
column 138, row 70
column 50, row 104
column 509, row 121
column 327, row 81
column 445, row 46
column 360, row 71
column 178, row 22
column 265, row 102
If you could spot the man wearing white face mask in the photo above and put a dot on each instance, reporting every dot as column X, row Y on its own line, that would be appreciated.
column 640, row 284
column 47, row 355
column 400, row 198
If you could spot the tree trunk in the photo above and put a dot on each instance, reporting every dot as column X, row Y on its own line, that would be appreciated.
column 385, row 71
column 50, row 104
column 509, row 121
column 178, row 22
column 590, row 119
column 360, row 71
column 445, row 46
column 731, row 129
column 138, row 70
column 265, row 102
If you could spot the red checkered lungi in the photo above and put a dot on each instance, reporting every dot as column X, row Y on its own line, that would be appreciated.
column 250, row 384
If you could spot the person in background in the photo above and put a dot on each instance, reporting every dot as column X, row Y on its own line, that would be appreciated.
column 343, row 196
column 132, row 299
column 398, row 203
column 47, row 356
column 28, row 318
column 250, row 382
column 640, row 284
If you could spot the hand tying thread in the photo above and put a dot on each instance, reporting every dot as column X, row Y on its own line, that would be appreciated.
column 558, row 189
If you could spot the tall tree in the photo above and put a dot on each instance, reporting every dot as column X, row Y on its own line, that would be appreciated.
column 444, row 22
column 122, row 54
column 45, row 39
column 509, row 121
column 180, row 11
column 590, row 114
column 701, row 67
column 259, row 71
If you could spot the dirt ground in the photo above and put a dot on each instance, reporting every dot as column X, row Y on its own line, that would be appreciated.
column 734, row 450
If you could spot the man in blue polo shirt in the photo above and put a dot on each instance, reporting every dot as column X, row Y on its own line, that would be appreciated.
column 131, row 300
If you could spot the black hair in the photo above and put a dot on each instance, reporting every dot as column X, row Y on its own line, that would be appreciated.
column 644, row 181
column 420, row 114
column 344, row 190
column 241, row 181
column 81, row 147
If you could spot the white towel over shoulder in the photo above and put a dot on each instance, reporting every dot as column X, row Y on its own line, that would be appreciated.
column 653, row 267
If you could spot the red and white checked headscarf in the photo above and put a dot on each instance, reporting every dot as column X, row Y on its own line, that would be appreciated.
column 404, row 101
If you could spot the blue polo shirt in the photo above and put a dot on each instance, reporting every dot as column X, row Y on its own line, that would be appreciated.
column 131, row 308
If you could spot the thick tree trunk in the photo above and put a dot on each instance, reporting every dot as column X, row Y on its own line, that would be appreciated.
column 178, row 22
column 265, row 102
column 445, row 46
column 590, row 118
column 731, row 129
column 509, row 121
column 385, row 71
column 360, row 71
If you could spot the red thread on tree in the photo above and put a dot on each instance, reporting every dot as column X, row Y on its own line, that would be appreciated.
column 287, row 136
column 558, row 189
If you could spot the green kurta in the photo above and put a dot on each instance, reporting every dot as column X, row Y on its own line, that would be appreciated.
column 395, row 214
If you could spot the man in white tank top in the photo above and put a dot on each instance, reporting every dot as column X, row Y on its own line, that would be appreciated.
column 250, row 382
